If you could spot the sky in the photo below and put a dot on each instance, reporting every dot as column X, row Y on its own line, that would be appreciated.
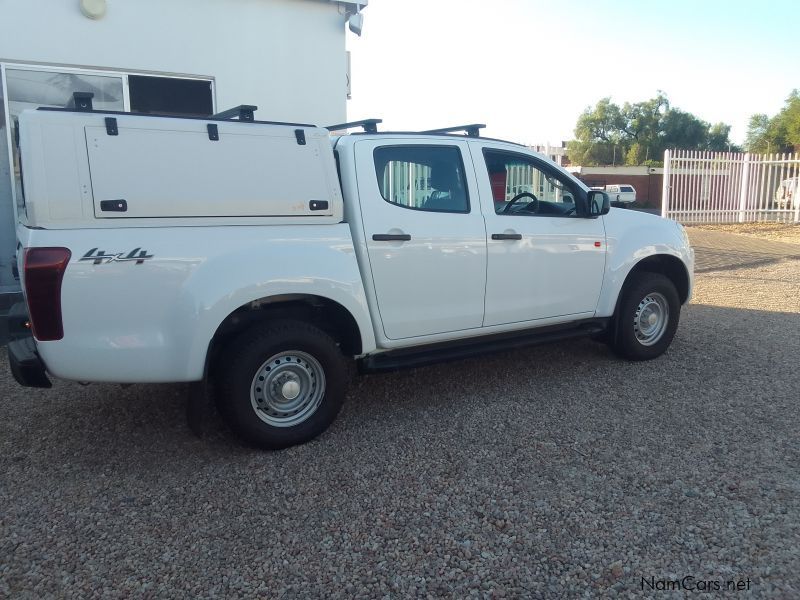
column 528, row 68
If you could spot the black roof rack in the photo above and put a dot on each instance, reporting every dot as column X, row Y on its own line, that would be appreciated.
column 369, row 125
column 473, row 130
column 168, row 116
column 81, row 101
column 244, row 112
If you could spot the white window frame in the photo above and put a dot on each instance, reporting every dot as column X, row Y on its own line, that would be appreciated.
column 55, row 68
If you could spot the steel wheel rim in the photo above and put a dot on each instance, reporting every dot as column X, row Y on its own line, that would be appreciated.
column 651, row 318
column 287, row 388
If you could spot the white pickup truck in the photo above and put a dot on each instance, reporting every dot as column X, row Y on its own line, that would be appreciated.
column 620, row 192
column 261, row 257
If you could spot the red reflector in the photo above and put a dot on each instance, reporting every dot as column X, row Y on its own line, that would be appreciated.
column 597, row 244
column 44, row 271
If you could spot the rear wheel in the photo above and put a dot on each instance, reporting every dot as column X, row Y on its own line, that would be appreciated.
column 281, row 384
column 647, row 318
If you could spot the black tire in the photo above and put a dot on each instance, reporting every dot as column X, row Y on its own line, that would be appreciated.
column 245, row 360
column 655, row 287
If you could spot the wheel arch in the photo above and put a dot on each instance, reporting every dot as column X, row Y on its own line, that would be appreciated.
column 622, row 334
column 668, row 265
column 324, row 313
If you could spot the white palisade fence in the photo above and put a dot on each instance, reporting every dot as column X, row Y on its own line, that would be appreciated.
column 730, row 187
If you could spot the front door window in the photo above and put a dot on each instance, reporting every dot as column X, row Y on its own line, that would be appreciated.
column 521, row 187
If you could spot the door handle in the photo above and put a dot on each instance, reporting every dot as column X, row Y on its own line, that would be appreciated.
column 506, row 236
column 391, row 237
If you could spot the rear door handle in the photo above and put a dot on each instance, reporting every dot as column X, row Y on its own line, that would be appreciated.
column 506, row 236
column 391, row 237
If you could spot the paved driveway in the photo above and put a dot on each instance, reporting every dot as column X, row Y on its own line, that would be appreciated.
column 725, row 251
column 556, row 471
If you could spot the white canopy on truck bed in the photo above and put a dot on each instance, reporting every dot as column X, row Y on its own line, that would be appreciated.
column 99, row 167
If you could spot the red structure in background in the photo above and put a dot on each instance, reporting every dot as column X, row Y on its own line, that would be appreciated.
column 498, row 182
column 647, row 185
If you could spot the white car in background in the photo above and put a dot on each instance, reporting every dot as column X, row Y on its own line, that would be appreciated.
column 786, row 192
column 621, row 192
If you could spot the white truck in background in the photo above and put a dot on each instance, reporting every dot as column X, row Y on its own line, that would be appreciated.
column 262, row 256
column 621, row 192
column 786, row 193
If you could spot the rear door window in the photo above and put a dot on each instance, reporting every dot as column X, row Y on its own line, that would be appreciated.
column 422, row 177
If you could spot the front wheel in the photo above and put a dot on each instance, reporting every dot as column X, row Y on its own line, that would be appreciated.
column 281, row 384
column 647, row 318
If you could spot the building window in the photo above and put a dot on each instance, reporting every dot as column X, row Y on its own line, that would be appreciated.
column 29, row 87
column 170, row 96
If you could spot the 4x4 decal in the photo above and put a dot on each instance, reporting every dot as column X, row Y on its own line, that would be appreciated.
column 136, row 255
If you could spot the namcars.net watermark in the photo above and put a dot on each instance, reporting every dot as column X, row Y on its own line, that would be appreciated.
column 690, row 583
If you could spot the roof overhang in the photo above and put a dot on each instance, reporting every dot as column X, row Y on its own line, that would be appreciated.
column 351, row 7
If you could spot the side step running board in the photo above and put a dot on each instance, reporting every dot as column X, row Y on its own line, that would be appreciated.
column 448, row 351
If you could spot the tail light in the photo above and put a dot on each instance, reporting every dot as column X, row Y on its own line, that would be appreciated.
column 44, row 271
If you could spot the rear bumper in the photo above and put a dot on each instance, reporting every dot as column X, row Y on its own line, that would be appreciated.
column 26, row 365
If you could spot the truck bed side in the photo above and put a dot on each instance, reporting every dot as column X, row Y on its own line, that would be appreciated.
column 151, row 320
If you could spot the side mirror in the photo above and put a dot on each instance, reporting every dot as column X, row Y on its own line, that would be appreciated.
column 599, row 203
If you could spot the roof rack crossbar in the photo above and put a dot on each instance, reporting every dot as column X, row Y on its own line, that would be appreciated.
column 243, row 112
column 369, row 125
column 81, row 101
column 167, row 116
column 472, row 130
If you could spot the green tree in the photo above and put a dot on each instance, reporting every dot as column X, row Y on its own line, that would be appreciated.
column 599, row 132
column 594, row 152
column 791, row 117
column 603, row 123
column 683, row 130
column 780, row 133
column 638, row 133
column 757, row 139
column 636, row 154
column 719, row 139
column 643, row 123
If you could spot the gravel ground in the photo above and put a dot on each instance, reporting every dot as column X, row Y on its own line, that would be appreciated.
column 556, row 471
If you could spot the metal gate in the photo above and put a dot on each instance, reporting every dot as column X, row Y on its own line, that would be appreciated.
column 729, row 187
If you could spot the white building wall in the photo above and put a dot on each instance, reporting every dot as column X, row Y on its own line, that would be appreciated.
column 286, row 56
column 555, row 153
